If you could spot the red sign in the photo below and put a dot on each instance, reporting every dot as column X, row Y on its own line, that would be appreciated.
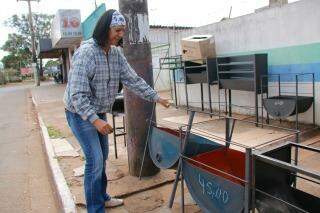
column 25, row 70
column 68, row 22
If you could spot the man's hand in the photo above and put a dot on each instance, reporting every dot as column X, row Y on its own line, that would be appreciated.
column 164, row 102
column 103, row 127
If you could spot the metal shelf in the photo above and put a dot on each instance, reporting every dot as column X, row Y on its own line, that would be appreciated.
column 241, row 78
column 168, row 63
column 237, row 63
column 194, row 67
column 242, row 73
column 235, row 71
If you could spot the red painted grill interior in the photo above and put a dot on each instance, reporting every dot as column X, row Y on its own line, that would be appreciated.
column 225, row 159
column 174, row 132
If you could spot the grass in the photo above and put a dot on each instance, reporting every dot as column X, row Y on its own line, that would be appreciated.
column 59, row 158
column 54, row 133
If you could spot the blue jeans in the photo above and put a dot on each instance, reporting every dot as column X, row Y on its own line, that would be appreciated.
column 95, row 148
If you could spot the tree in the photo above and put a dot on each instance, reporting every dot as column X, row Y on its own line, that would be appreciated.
column 52, row 63
column 18, row 48
column 42, row 25
column 10, row 61
column 19, row 43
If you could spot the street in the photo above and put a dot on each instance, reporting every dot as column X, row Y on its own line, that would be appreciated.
column 25, row 182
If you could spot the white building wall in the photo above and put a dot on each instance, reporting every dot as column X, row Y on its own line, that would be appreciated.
column 289, row 25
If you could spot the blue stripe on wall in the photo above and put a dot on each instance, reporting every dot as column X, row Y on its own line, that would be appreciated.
column 288, row 72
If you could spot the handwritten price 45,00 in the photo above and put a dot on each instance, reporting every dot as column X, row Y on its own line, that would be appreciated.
column 213, row 190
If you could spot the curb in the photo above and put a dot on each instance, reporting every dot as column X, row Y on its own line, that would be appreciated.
column 64, row 195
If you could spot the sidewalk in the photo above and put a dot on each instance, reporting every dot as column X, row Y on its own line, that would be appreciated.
column 136, row 195
column 49, row 103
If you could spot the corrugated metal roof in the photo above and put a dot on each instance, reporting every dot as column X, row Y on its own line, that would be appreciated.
column 170, row 27
column 45, row 49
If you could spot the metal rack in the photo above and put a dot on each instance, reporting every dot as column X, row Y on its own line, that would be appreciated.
column 261, row 177
column 290, row 102
column 117, row 111
column 242, row 73
column 274, row 181
column 172, row 63
column 199, row 73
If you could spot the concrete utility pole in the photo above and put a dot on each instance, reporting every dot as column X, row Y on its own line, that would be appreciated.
column 34, row 57
column 95, row 4
column 277, row 2
column 137, row 49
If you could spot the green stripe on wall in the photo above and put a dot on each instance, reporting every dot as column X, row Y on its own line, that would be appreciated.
column 301, row 54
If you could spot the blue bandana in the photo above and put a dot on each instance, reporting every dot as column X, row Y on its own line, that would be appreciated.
column 117, row 19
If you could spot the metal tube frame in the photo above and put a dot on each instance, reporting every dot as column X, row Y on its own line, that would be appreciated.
column 184, row 142
column 201, row 89
column 314, row 102
column 287, row 166
column 209, row 90
column 261, row 88
column 292, row 168
column 253, row 184
column 114, row 136
column 201, row 86
column 285, row 202
column 262, row 78
column 186, row 87
column 230, row 102
column 297, row 75
column 248, row 183
column 297, row 94
column 245, row 121
column 175, row 87
column 219, row 106
column 279, row 89
column 226, row 101
column 252, row 154
column 117, row 129
column 178, row 65
column 229, row 131
column 147, row 141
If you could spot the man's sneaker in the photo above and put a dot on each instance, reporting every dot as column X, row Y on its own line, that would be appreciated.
column 113, row 202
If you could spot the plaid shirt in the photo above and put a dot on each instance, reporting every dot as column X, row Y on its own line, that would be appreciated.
column 93, row 81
